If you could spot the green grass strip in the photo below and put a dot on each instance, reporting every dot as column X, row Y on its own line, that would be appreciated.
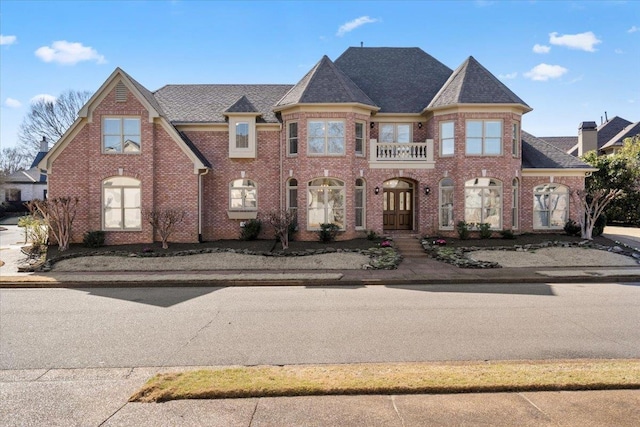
column 391, row 378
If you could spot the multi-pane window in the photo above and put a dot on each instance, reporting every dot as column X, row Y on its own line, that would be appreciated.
column 359, row 138
column 292, row 138
column 550, row 206
column 446, row 203
column 243, row 195
column 292, row 196
column 121, row 135
column 484, row 137
column 447, row 139
column 515, row 201
column 515, row 140
column 359, row 203
column 395, row 132
column 13, row 195
column 325, row 204
column 242, row 135
column 121, row 203
column 325, row 137
column 483, row 202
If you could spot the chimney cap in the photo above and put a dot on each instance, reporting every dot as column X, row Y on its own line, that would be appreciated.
column 588, row 125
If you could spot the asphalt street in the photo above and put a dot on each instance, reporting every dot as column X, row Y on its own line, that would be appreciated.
column 141, row 327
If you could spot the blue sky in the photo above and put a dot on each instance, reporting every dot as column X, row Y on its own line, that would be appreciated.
column 569, row 60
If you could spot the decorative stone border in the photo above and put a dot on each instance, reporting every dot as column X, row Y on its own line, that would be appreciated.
column 457, row 255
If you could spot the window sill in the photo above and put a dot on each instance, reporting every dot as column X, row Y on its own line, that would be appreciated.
column 242, row 214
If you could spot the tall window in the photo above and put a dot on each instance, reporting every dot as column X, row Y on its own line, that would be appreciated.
column 515, row 202
column 359, row 138
column 292, row 138
column 550, row 206
column 121, row 135
column 483, row 202
column 325, row 137
column 243, row 195
column 292, row 196
column 484, row 137
column 446, row 203
column 447, row 139
column 515, row 140
column 390, row 132
column 325, row 203
column 359, row 203
column 242, row 135
column 121, row 204
column 13, row 195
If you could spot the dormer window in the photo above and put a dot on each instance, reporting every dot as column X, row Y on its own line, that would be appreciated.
column 242, row 137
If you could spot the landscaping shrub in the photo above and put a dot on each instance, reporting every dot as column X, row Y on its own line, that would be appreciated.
column 372, row 235
column 507, row 234
column 93, row 239
column 598, row 228
column 251, row 229
column 463, row 230
column 485, row 230
column 572, row 228
column 328, row 232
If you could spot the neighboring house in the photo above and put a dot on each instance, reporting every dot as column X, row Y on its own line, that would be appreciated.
column 26, row 184
column 606, row 138
column 384, row 139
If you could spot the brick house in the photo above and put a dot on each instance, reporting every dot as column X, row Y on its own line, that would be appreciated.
column 384, row 139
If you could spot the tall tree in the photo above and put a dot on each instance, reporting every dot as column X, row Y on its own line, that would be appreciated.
column 12, row 159
column 50, row 119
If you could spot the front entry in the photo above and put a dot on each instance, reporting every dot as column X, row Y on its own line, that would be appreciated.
column 397, row 205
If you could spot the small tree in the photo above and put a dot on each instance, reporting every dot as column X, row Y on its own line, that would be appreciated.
column 58, row 214
column 592, row 204
column 164, row 221
column 282, row 222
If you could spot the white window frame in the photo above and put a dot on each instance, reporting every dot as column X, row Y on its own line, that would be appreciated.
column 543, row 197
column 250, row 151
column 515, row 139
column 122, row 185
column 488, row 189
column 243, row 185
column 292, row 196
column 121, row 135
column 326, row 137
column 325, row 188
column 515, row 204
column 360, row 207
column 483, row 138
column 449, row 140
column 382, row 134
column 361, row 140
column 295, row 139
column 446, row 203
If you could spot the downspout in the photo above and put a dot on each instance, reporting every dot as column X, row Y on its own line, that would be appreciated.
column 200, row 175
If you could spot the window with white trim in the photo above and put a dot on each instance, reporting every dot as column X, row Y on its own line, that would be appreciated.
column 483, row 202
column 359, row 138
column 292, row 196
column 515, row 202
column 121, row 209
column 395, row 132
column 243, row 195
column 242, row 137
column 325, row 137
column 446, row 204
column 483, row 137
column 447, row 139
column 121, row 135
column 359, row 203
column 292, row 138
column 325, row 203
column 515, row 140
column 550, row 206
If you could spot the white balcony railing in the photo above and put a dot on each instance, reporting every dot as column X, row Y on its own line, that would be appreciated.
column 418, row 155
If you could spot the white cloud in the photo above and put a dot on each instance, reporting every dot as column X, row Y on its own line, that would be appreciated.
column 13, row 103
column 7, row 40
column 352, row 25
column 619, row 51
column 64, row 52
column 509, row 76
column 543, row 72
column 43, row 97
column 583, row 41
column 539, row 48
column 633, row 29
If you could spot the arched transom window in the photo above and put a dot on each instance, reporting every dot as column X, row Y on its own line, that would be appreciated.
column 483, row 202
column 243, row 195
column 550, row 206
column 325, row 203
column 121, row 204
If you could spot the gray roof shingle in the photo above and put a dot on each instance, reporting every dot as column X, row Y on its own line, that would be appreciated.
column 539, row 154
column 242, row 105
column 325, row 83
column 564, row 143
column 609, row 129
column 398, row 80
column 617, row 141
column 471, row 83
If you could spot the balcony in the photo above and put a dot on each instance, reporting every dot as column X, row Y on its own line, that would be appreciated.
column 394, row 155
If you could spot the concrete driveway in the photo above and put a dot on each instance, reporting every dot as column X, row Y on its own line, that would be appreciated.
column 630, row 236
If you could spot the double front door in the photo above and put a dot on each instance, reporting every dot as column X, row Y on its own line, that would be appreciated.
column 397, row 205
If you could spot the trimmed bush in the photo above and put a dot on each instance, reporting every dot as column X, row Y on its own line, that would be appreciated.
column 572, row 228
column 463, row 230
column 328, row 232
column 485, row 230
column 93, row 239
column 251, row 229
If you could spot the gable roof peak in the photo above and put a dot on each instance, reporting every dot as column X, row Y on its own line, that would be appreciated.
column 242, row 105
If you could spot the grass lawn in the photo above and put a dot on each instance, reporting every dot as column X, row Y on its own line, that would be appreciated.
column 391, row 378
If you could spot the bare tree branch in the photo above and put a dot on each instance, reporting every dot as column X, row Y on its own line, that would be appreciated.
column 11, row 160
column 164, row 222
column 58, row 214
column 592, row 204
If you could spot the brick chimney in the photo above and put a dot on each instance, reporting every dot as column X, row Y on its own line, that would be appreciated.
column 44, row 145
column 587, row 137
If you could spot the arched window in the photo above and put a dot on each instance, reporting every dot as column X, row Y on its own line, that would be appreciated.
column 292, row 196
column 515, row 202
column 359, row 204
column 446, row 204
column 243, row 195
column 483, row 202
column 550, row 206
column 325, row 203
column 121, row 208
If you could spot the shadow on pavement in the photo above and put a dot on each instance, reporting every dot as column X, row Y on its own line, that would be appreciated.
column 159, row 297
column 541, row 289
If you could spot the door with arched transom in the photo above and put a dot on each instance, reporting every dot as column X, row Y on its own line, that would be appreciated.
column 397, row 211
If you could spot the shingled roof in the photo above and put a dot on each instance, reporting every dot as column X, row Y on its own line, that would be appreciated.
column 471, row 83
column 242, row 105
column 609, row 129
column 539, row 154
column 398, row 80
column 208, row 103
column 618, row 140
column 325, row 83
